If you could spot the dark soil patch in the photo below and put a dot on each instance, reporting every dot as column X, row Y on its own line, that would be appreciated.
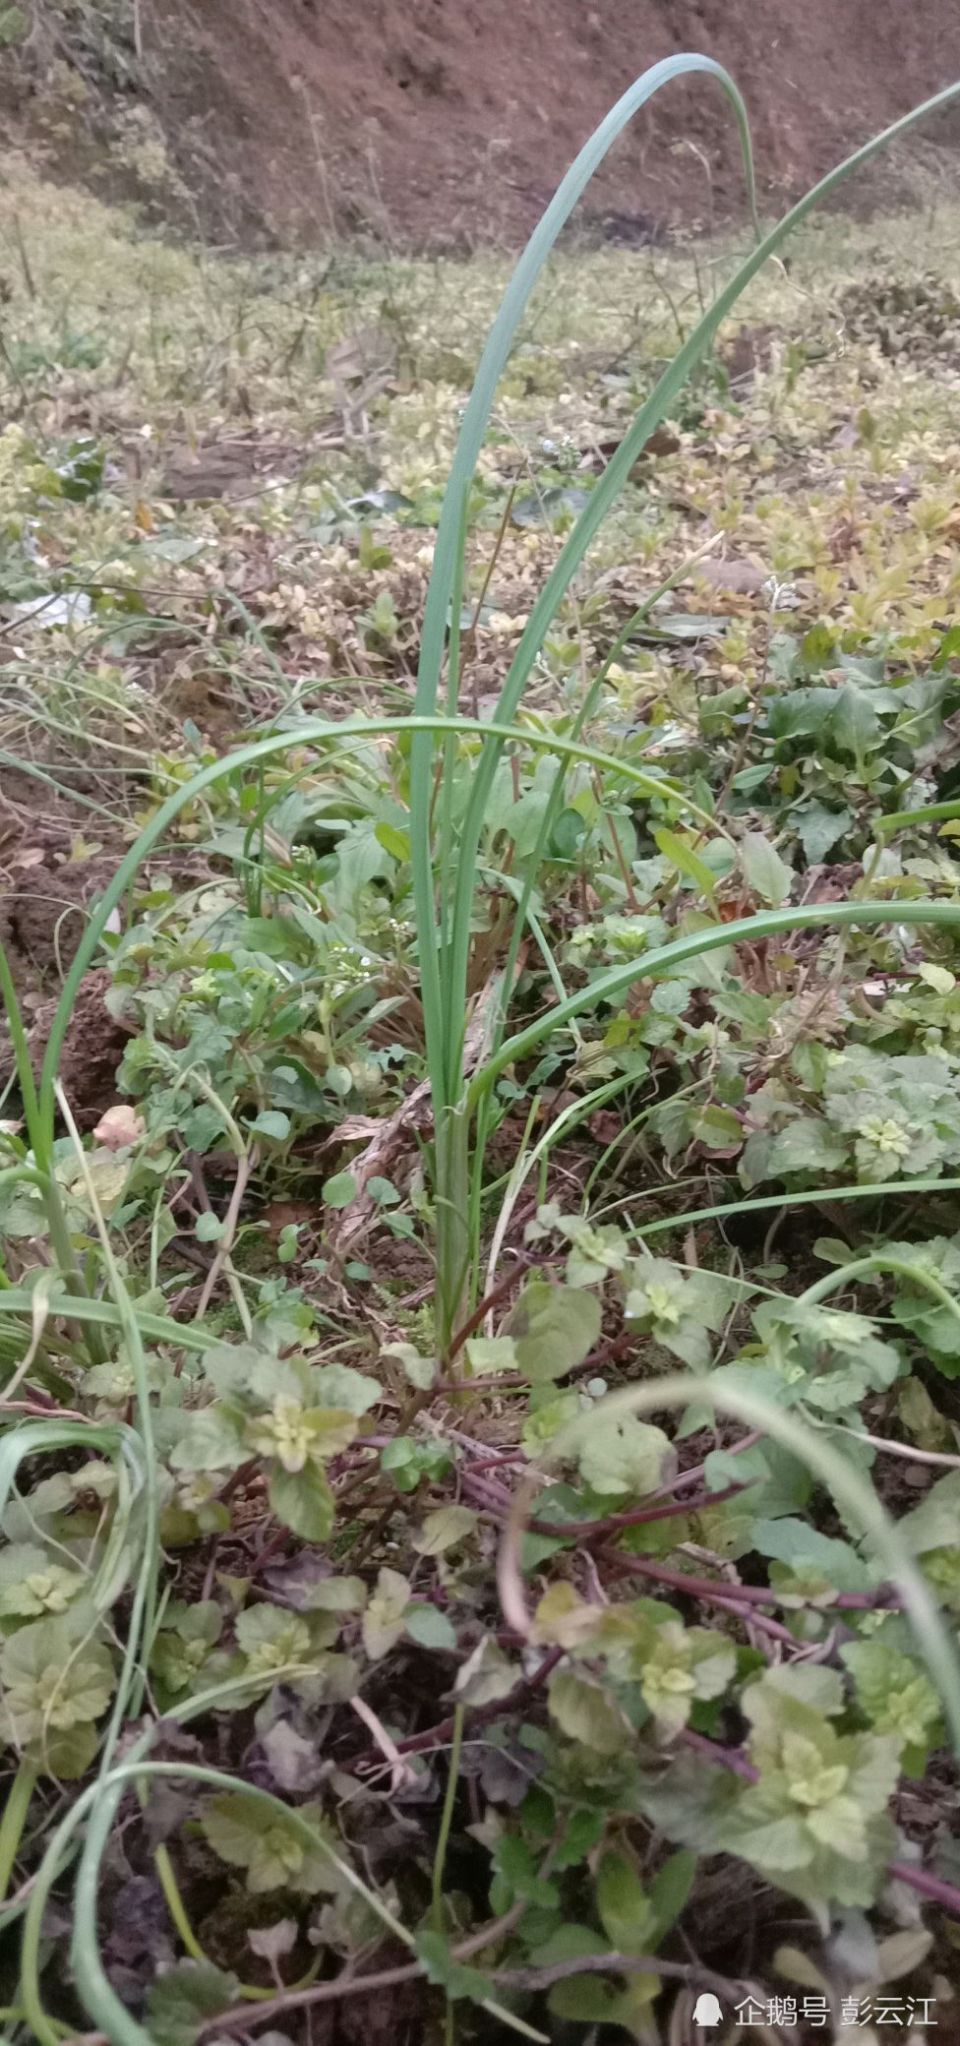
column 46, row 892
column 56, row 858
column 92, row 1050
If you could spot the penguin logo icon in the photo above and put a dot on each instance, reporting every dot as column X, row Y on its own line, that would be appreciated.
column 707, row 2010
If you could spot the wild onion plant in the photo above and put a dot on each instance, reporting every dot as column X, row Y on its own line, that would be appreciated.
column 447, row 811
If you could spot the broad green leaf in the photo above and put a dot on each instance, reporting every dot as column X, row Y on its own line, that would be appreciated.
column 385, row 1616
column 340, row 1190
column 937, row 977
column 33, row 1582
column 764, row 871
column 855, row 722
column 935, row 1523
column 184, row 1998
column 565, row 1619
column 394, row 841
column 805, row 1549
column 819, row 828
column 922, row 1419
column 623, row 1457
column 519, row 1874
column 271, row 1639
column 687, row 862
column 272, row 1852
column 408, row 1461
column 447, row 1973
column 805, row 1145
column 430, row 1627
column 596, row 1251
column 334, row 1595
column 554, row 1328
column 297, row 1436
column 339, row 1385
column 272, row 1123
column 587, row 1713
column 719, row 1128
column 809, row 1687
column 584, row 1999
column 487, row 1675
column 487, row 1356
column 303, row 1501
column 184, row 1644
column 65, row 1753
column 52, row 1683
column 623, row 1906
column 796, row 1966
column 444, row 1529
column 212, row 1441
column 902, row 1952
column 419, row 1371
column 670, row 1889
column 568, row 1943
column 893, row 1693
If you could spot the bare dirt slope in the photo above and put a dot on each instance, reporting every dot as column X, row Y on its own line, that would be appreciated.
column 449, row 121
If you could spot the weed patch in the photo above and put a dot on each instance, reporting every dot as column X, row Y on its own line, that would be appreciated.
column 480, row 1466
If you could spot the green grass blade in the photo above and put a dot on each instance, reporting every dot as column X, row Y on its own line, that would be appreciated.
column 309, row 732
column 929, row 813
column 829, row 1467
column 724, row 1210
column 749, row 930
column 106, row 1314
column 444, row 1058
column 606, row 491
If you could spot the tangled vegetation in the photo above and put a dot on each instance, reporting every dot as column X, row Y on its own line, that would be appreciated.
column 480, row 1309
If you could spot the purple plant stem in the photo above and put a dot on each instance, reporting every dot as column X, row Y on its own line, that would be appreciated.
column 744, row 1594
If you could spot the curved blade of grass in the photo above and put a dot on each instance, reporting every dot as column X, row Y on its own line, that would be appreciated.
column 767, row 924
column 584, row 712
column 98, row 1995
column 24, row 766
column 929, row 813
column 105, row 1314
column 724, row 1209
column 438, row 1004
column 142, row 1619
column 592, row 516
column 881, row 1261
column 309, row 732
column 62, row 1844
column 604, row 494
column 827, row 1465
column 37, row 1438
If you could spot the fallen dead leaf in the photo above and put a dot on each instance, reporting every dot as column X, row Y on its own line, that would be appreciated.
column 120, row 1127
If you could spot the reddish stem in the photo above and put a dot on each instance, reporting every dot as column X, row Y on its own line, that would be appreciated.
column 728, row 1758
column 743, row 1594
column 926, row 1885
column 493, row 1299
column 590, row 1530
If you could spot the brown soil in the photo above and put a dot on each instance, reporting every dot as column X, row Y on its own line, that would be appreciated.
column 56, row 857
column 45, row 893
column 92, row 1050
column 449, row 122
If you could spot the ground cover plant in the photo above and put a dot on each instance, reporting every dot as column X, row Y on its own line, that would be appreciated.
column 481, row 1298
